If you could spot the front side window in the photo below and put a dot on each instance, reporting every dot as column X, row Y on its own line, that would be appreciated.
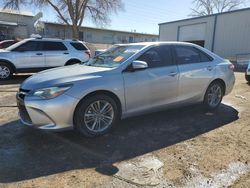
column 158, row 56
column 189, row 55
column 29, row 46
column 54, row 46
column 114, row 56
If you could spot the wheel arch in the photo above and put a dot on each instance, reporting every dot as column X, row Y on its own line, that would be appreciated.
column 101, row 92
column 9, row 63
column 72, row 60
column 222, row 82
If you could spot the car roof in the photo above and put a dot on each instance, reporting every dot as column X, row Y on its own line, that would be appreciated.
column 158, row 43
column 52, row 39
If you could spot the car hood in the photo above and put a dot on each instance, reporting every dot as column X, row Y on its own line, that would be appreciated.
column 4, row 51
column 63, row 75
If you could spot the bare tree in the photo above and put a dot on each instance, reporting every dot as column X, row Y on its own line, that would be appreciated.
column 208, row 7
column 73, row 12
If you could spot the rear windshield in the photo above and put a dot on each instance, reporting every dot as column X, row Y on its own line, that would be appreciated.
column 78, row 46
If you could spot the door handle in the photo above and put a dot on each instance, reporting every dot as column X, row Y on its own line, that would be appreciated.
column 173, row 74
column 39, row 53
column 209, row 68
column 66, row 53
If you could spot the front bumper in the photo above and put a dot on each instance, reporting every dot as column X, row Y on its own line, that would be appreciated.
column 52, row 114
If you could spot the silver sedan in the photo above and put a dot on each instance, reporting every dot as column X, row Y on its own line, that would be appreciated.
column 124, row 81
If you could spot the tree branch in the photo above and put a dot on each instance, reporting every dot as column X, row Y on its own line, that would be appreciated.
column 58, row 11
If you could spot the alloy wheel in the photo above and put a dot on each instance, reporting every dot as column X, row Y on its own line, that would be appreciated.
column 214, row 95
column 4, row 72
column 98, row 116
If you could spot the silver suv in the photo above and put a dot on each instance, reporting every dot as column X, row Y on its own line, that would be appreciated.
column 33, row 55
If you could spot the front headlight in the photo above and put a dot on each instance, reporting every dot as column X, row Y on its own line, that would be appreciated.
column 51, row 92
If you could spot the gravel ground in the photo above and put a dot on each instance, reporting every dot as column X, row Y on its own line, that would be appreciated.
column 185, row 147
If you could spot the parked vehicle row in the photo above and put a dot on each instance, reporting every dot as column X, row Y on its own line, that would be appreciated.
column 124, row 81
column 36, row 54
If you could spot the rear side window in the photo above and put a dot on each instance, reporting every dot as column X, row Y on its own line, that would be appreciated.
column 189, row 55
column 54, row 46
column 158, row 56
column 78, row 46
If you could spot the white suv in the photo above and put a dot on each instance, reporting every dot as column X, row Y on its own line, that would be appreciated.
column 33, row 55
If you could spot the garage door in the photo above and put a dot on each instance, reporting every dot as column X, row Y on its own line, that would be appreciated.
column 194, row 32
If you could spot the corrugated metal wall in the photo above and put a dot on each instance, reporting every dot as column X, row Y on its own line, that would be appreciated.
column 231, row 36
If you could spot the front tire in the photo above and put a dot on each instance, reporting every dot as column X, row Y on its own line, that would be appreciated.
column 6, row 71
column 213, row 96
column 96, row 115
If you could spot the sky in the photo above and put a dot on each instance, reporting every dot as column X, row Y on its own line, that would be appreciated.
column 138, row 15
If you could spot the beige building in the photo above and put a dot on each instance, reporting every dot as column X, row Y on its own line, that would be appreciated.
column 15, row 24
column 227, row 34
column 93, row 35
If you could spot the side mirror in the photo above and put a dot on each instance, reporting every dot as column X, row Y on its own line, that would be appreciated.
column 139, row 65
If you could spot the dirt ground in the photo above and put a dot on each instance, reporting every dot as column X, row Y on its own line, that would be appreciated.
column 185, row 147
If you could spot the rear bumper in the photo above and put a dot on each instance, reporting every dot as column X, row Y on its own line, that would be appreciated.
column 50, row 114
column 230, row 84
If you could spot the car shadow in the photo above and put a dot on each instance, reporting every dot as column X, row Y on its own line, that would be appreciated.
column 27, row 153
column 16, row 79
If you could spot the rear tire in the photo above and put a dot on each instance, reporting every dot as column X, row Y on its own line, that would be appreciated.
column 213, row 96
column 96, row 115
column 6, row 71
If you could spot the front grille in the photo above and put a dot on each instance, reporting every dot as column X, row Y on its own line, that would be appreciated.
column 23, row 113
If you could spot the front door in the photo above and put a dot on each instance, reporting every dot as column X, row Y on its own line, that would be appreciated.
column 29, row 56
column 155, row 86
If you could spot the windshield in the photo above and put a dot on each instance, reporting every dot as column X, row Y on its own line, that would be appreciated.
column 114, row 56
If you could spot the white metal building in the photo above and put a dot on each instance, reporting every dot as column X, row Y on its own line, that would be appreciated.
column 15, row 24
column 93, row 35
column 227, row 34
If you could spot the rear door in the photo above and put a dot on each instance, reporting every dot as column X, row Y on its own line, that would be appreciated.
column 29, row 55
column 196, row 71
column 56, row 53
column 155, row 86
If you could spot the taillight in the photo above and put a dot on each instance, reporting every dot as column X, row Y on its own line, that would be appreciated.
column 88, row 53
column 231, row 67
